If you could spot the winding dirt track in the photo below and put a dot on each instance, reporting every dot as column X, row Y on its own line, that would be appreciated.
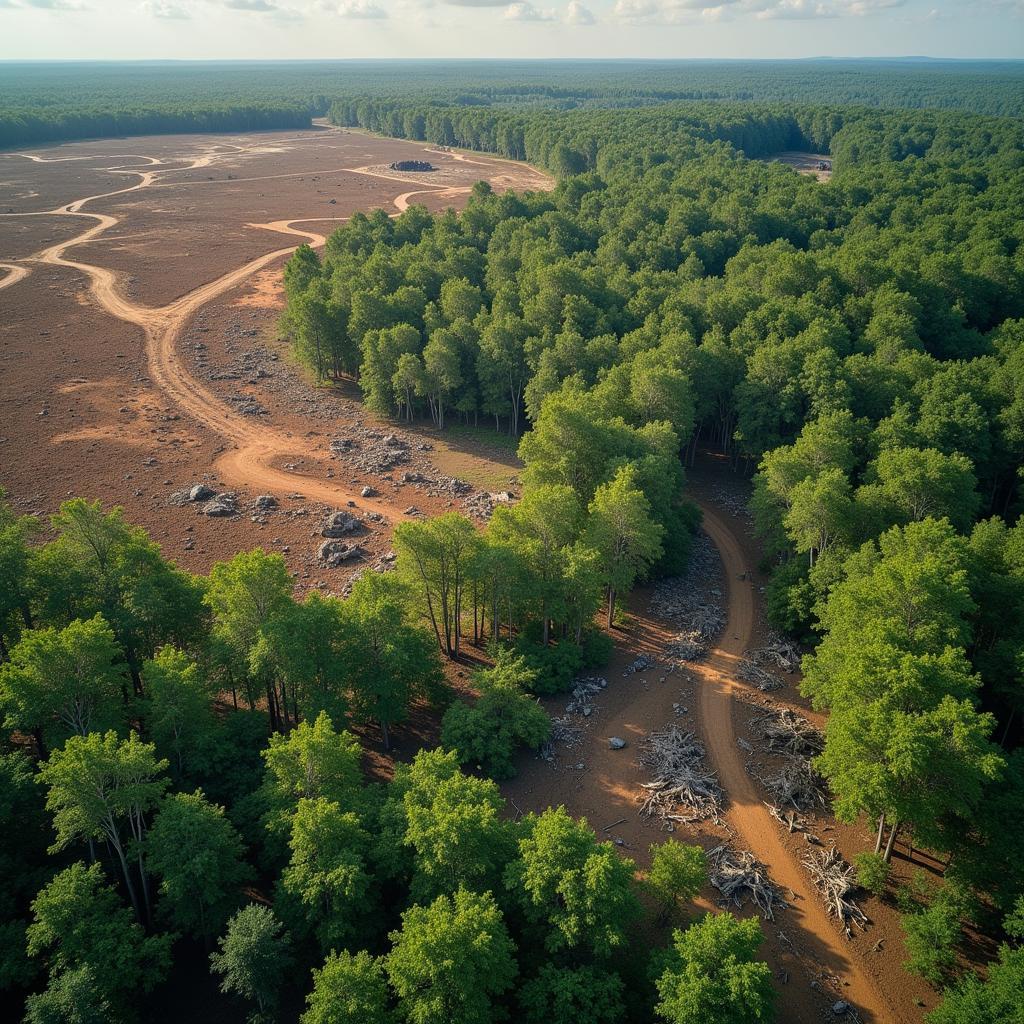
column 254, row 448
column 746, row 813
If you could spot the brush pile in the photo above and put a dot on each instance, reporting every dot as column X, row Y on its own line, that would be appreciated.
column 797, row 784
column 835, row 880
column 750, row 672
column 682, row 788
column 778, row 653
column 740, row 876
column 789, row 733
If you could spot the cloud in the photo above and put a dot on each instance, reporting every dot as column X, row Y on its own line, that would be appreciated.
column 52, row 5
column 165, row 9
column 577, row 14
column 365, row 10
column 261, row 6
column 672, row 12
column 476, row 3
column 527, row 12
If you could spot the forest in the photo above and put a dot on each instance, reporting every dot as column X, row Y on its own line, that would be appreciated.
column 46, row 102
column 183, row 791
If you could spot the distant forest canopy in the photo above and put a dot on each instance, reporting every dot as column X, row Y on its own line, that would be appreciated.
column 43, row 102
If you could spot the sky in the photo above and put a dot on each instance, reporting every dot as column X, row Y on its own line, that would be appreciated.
column 321, row 29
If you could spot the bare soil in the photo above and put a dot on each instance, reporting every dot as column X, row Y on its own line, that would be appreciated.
column 805, row 163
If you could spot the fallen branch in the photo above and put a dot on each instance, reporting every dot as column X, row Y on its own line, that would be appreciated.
column 739, row 876
column 835, row 880
column 683, row 788
column 798, row 784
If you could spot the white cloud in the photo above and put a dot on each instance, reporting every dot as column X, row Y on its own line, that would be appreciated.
column 476, row 3
column 165, row 9
column 527, row 12
column 365, row 10
column 53, row 5
column 676, row 11
column 261, row 6
column 577, row 14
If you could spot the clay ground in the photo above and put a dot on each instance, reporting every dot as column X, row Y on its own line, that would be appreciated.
column 804, row 163
column 146, row 359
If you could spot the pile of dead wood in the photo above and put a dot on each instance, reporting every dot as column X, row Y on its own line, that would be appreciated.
column 740, row 876
column 797, row 784
column 836, row 880
column 750, row 672
column 777, row 652
column 789, row 733
column 682, row 788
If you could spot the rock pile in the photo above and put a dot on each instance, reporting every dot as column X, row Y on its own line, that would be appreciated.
column 333, row 553
column 222, row 505
column 339, row 524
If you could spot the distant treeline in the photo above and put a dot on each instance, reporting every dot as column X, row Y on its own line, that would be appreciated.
column 55, row 124
column 48, row 102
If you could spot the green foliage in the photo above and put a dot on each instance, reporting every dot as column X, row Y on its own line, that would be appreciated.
column 996, row 1000
column 62, row 683
column 178, row 709
column 577, row 891
column 872, row 872
column 253, row 958
column 454, row 826
column 72, row 997
column 487, row 733
column 931, row 933
column 349, row 989
column 677, row 874
column 197, row 855
column 80, row 922
column 327, row 872
column 566, row 995
column 712, row 974
column 102, row 787
column 451, row 960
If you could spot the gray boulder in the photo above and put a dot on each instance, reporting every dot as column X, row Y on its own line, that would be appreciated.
column 200, row 492
column 221, row 506
column 367, row 492
column 332, row 553
column 616, row 743
column 338, row 524
column 265, row 502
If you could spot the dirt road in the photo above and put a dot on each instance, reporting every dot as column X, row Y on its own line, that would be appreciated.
column 747, row 814
column 253, row 448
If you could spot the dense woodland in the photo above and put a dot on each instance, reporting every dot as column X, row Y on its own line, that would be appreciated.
column 46, row 102
column 183, row 785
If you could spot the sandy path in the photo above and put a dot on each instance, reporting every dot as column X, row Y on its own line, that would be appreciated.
column 746, row 813
column 15, row 273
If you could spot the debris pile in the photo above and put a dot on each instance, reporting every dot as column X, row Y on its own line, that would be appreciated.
column 835, row 880
column 740, row 876
column 750, row 672
column 333, row 553
column 687, row 602
column 777, row 652
column 563, row 733
column 641, row 664
column 798, row 784
column 580, row 702
column 789, row 733
column 682, row 788
column 338, row 524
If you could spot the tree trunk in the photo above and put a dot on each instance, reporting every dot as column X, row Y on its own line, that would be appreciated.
column 611, row 606
column 384, row 734
column 881, row 829
column 887, row 856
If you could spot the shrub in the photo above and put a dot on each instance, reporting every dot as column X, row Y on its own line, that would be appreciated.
column 488, row 732
column 872, row 872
